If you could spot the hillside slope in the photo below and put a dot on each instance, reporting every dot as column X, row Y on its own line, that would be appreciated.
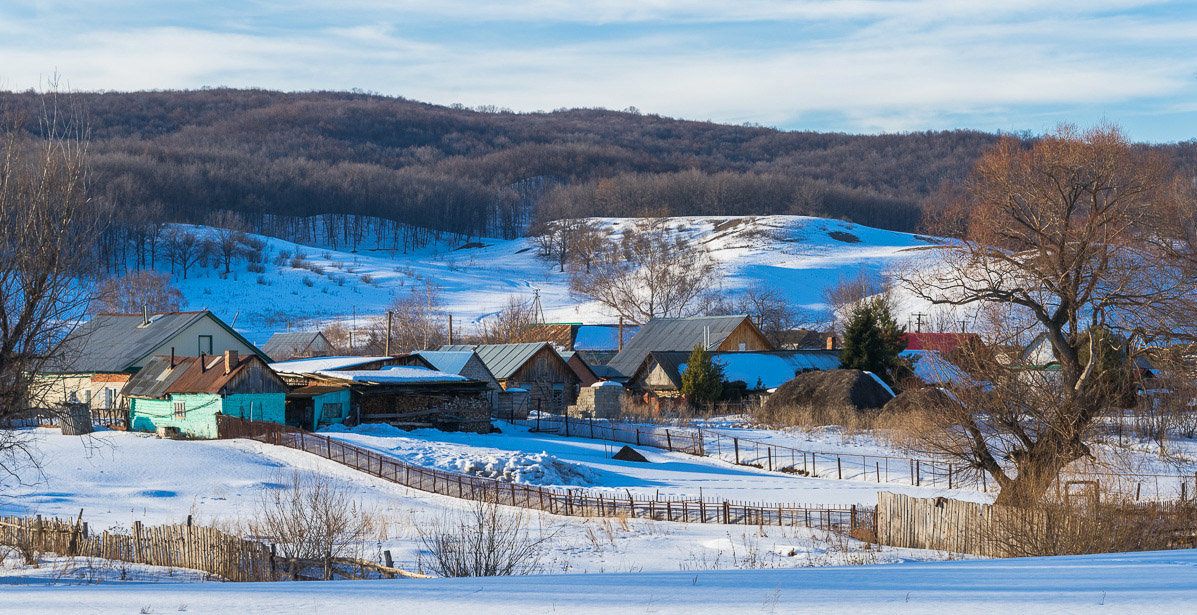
column 306, row 285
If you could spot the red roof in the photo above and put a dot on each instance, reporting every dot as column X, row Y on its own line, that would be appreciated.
column 941, row 342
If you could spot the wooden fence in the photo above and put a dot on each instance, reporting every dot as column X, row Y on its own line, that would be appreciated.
column 113, row 418
column 1053, row 529
column 176, row 546
column 558, row 501
column 881, row 469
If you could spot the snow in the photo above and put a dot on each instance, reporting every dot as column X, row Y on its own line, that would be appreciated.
column 881, row 382
column 795, row 255
column 117, row 478
column 452, row 361
column 396, row 374
column 930, row 367
column 667, row 474
column 1161, row 583
column 606, row 383
column 322, row 364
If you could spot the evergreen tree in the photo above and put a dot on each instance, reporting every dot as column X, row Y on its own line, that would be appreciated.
column 872, row 341
column 702, row 380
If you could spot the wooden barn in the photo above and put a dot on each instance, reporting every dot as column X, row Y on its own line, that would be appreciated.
column 536, row 367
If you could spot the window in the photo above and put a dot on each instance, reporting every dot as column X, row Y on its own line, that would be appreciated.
column 180, row 410
column 743, row 346
column 331, row 410
column 109, row 398
column 205, row 344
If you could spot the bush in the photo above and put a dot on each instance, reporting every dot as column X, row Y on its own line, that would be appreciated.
column 484, row 541
column 311, row 518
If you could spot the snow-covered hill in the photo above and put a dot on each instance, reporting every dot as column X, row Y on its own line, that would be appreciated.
column 306, row 285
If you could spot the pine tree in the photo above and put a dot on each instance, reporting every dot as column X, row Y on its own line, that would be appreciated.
column 872, row 340
column 702, row 380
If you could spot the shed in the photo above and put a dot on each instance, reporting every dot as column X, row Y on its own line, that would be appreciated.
column 297, row 345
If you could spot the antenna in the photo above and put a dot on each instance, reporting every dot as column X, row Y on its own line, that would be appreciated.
column 537, row 309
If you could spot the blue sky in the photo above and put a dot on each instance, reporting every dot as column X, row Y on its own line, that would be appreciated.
column 859, row 66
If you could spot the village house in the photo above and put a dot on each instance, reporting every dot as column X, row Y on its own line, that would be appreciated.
column 99, row 357
column 714, row 333
column 535, row 367
column 660, row 374
column 184, row 395
column 404, row 391
column 297, row 345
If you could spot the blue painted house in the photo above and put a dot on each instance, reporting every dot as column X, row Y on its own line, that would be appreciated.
column 187, row 393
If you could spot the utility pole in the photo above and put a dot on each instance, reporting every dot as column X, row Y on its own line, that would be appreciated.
column 918, row 320
column 450, row 329
column 388, row 343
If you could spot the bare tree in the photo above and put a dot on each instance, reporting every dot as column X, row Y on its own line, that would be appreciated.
column 650, row 271
column 230, row 240
column 48, row 232
column 773, row 314
column 184, row 249
column 418, row 322
column 1073, row 231
column 509, row 323
column 137, row 290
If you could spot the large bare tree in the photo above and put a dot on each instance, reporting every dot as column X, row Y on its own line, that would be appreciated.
column 1076, row 230
column 48, row 233
column 650, row 270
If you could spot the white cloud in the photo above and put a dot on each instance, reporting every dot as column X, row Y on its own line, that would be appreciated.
column 888, row 66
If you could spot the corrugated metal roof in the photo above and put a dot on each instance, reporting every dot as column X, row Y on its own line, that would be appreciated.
column 674, row 335
column 503, row 360
column 158, row 378
column 283, row 346
column 451, row 361
column 116, row 342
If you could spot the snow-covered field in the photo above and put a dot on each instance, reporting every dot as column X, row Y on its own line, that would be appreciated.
column 1160, row 583
column 797, row 256
column 667, row 474
column 117, row 478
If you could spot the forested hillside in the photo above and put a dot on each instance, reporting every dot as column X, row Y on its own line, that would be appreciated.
column 183, row 154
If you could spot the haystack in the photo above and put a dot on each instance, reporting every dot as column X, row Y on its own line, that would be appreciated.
column 831, row 390
column 917, row 400
column 628, row 453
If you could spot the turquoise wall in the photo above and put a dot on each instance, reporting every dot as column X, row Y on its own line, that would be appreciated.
column 341, row 397
column 200, row 422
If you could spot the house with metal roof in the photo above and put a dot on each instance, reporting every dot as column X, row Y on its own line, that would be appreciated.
column 98, row 358
column 184, row 395
column 536, row 367
column 661, row 372
column 297, row 345
column 715, row 333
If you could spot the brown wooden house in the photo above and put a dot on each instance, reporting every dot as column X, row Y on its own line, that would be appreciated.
column 535, row 367
column 715, row 333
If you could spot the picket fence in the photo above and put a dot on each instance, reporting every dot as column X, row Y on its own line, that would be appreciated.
column 577, row 502
column 176, row 546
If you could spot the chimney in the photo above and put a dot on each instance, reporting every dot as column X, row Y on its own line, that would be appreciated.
column 230, row 361
column 145, row 314
column 831, row 342
column 172, row 357
column 203, row 363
